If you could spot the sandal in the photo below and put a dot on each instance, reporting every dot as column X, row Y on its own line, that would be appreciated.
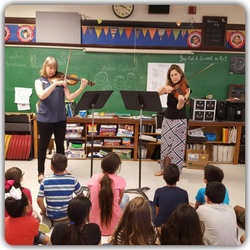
column 40, row 178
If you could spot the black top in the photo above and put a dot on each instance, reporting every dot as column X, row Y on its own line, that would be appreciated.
column 91, row 234
column 167, row 199
column 172, row 112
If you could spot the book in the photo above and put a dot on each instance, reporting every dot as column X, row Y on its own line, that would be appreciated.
column 220, row 153
column 125, row 130
column 225, row 135
column 148, row 138
column 215, row 152
column 224, row 153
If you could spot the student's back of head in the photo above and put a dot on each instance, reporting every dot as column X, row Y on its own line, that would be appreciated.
column 215, row 192
column 171, row 174
column 78, row 231
column 78, row 210
column 135, row 226
column 213, row 173
column 59, row 162
column 14, row 205
column 110, row 164
column 14, row 175
column 182, row 228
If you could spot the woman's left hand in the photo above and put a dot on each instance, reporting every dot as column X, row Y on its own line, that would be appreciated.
column 181, row 99
column 84, row 83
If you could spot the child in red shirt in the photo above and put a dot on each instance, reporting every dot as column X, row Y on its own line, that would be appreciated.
column 21, row 229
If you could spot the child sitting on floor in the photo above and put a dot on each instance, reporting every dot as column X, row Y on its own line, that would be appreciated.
column 21, row 229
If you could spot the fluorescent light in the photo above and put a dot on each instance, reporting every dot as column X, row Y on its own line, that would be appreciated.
column 135, row 51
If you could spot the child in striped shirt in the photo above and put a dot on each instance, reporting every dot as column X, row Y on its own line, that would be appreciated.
column 57, row 190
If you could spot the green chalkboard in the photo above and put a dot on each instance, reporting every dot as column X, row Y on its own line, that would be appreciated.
column 111, row 71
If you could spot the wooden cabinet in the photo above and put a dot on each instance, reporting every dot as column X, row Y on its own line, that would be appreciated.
column 216, row 127
column 86, row 137
column 208, row 126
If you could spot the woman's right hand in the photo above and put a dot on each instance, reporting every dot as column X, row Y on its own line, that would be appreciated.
column 167, row 89
column 61, row 83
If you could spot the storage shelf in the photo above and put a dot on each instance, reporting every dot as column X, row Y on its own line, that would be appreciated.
column 103, row 121
column 209, row 126
column 95, row 146
column 216, row 127
column 108, row 136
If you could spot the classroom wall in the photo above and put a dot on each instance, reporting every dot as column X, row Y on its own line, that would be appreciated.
column 236, row 13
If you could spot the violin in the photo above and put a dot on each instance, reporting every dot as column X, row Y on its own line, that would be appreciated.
column 180, row 89
column 71, row 79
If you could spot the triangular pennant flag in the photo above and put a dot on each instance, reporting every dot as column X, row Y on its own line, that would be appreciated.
column 84, row 29
column 176, row 33
column 168, row 32
column 128, row 32
column 161, row 33
column 113, row 32
column 137, row 33
column 144, row 32
column 183, row 32
column 91, row 30
column 152, row 32
column 98, row 31
column 120, row 31
column 106, row 30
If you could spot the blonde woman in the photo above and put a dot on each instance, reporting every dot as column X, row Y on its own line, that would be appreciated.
column 51, row 115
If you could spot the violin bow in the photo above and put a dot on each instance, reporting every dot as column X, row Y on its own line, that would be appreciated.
column 201, row 71
column 67, row 67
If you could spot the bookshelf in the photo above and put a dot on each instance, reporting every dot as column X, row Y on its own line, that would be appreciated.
column 110, row 141
column 209, row 126
column 216, row 127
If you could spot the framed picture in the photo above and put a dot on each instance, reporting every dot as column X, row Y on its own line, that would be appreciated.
column 237, row 91
column 237, row 40
column 194, row 39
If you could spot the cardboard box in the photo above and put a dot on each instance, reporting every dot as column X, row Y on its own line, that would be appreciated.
column 196, row 159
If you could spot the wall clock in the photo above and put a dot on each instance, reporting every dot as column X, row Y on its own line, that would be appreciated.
column 123, row 11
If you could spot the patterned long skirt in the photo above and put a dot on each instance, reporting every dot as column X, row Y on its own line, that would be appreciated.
column 173, row 141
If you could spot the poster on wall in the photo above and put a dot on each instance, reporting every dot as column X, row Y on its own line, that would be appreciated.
column 237, row 40
column 25, row 33
column 194, row 39
column 157, row 77
column 7, row 33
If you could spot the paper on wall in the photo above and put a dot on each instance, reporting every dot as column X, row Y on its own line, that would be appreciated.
column 22, row 98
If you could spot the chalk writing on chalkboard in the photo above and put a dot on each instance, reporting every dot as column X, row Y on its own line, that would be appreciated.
column 214, row 28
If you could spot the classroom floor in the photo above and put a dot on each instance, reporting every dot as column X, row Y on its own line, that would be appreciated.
column 191, row 180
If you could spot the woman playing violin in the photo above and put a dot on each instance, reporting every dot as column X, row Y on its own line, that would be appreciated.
column 174, row 124
column 51, row 114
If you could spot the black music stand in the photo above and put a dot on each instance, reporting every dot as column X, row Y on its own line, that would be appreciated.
column 93, row 100
column 147, row 101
